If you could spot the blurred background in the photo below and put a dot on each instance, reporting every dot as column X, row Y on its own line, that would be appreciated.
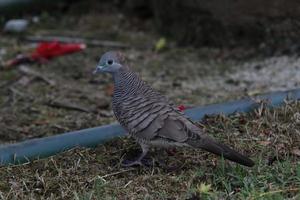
column 194, row 52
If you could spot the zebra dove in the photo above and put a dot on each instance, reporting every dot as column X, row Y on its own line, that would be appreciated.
column 151, row 118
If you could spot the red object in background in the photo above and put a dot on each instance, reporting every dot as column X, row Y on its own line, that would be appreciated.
column 181, row 108
column 45, row 51
column 48, row 50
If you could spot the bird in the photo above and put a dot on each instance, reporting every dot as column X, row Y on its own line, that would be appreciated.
column 151, row 118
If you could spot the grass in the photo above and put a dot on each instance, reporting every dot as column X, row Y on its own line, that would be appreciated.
column 270, row 137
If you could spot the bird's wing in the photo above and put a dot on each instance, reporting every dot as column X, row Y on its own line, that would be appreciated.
column 149, row 118
column 178, row 128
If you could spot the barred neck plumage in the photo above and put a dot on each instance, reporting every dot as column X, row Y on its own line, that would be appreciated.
column 127, row 83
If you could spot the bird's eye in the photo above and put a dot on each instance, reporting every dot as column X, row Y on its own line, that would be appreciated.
column 110, row 62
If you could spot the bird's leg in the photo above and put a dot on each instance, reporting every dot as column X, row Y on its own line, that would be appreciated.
column 138, row 161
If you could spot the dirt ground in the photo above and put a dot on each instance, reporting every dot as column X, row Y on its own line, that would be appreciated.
column 28, row 109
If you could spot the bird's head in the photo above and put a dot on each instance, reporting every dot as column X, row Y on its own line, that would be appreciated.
column 111, row 62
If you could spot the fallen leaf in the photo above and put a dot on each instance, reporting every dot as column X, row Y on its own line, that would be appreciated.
column 203, row 188
column 160, row 44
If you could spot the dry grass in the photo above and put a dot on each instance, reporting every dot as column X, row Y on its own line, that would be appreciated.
column 270, row 137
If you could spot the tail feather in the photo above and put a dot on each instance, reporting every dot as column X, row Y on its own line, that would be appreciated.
column 212, row 146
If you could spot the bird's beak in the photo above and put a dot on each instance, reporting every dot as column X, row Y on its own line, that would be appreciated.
column 98, row 69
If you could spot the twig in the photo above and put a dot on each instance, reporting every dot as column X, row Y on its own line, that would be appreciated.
column 127, row 183
column 29, row 71
column 66, row 105
column 111, row 174
column 116, row 173
column 92, row 42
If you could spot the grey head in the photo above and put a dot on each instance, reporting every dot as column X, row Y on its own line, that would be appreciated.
column 111, row 62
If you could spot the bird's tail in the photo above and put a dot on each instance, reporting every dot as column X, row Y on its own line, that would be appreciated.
column 209, row 144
